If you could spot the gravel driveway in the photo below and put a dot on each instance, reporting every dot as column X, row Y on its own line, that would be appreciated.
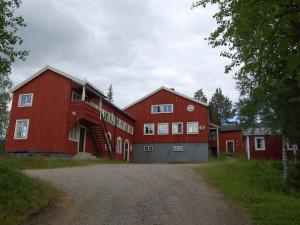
column 138, row 194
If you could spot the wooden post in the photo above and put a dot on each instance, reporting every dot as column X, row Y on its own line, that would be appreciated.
column 284, row 161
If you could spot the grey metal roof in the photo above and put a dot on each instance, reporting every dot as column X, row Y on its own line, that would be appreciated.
column 230, row 127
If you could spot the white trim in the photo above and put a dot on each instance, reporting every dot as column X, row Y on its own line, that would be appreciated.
column 15, row 133
column 227, row 141
column 162, row 107
column 263, row 148
column 76, row 80
column 169, row 90
column 187, row 127
column 181, row 128
column 119, row 148
column 79, row 138
column 145, row 129
column 162, row 124
column 20, row 97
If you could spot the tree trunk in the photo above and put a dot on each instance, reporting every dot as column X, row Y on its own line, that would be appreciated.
column 285, row 161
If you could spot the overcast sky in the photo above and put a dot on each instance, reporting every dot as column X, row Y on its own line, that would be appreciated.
column 137, row 46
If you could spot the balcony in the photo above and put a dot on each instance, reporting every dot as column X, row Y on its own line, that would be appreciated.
column 87, row 112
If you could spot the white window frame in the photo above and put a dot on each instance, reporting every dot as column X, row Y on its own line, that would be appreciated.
column 263, row 148
column 148, row 148
column 293, row 148
column 20, row 98
column 177, row 148
column 187, row 127
column 158, row 133
column 173, row 131
column 15, row 134
column 232, row 145
column 72, row 139
column 145, row 129
column 119, row 145
column 161, row 105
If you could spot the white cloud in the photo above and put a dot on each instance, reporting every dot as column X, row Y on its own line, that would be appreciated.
column 137, row 46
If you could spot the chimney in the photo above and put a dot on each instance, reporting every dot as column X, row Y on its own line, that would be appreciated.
column 172, row 89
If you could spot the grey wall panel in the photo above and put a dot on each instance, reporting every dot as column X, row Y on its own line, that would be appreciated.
column 163, row 153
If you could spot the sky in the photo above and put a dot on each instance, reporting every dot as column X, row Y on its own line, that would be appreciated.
column 137, row 46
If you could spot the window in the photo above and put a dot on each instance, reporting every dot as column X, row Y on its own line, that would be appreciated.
column 162, row 128
column 192, row 128
column 164, row 108
column 149, row 129
column 148, row 148
column 259, row 143
column 291, row 147
column 21, row 129
column 177, row 128
column 25, row 100
column 73, row 135
column 76, row 96
column 119, row 145
column 178, row 148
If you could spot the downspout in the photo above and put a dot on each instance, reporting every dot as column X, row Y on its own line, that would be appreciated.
column 115, row 139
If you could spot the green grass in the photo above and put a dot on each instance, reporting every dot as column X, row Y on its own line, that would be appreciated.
column 258, row 187
column 20, row 195
column 51, row 162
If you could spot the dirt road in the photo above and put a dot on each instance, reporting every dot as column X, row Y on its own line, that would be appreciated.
column 132, row 194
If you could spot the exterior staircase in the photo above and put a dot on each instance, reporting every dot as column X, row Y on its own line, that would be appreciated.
column 100, row 141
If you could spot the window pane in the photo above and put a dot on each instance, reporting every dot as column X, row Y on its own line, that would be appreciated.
column 163, row 128
column 193, row 127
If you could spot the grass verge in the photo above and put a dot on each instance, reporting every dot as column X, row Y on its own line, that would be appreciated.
column 258, row 187
column 51, row 162
column 20, row 195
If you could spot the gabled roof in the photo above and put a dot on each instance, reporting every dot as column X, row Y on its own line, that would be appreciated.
column 74, row 79
column 169, row 90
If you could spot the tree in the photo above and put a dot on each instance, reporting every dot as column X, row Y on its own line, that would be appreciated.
column 220, row 108
column 9, row 53
column 200, row 96
column 110, row 93
column 263, row 41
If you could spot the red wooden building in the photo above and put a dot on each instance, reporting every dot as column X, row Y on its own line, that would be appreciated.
column 262, row 143
column 55, row 113
column 169, row 127
column 231, row 139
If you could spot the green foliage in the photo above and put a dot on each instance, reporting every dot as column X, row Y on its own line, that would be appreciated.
column 1, row 147
column 49, row 163
column 258, row 186
column 262, row 40
column 200, row 96
column 9, row 51
column 20, row 195
column 220, row 108
column 110, row 94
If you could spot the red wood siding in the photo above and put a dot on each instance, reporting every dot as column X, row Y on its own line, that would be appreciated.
column 273, row 148
column 142, row 113
column 236, row 136
column 48, row 115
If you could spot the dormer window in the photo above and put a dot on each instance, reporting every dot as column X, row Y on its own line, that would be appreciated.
column 163, row 108
column 25, row 100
